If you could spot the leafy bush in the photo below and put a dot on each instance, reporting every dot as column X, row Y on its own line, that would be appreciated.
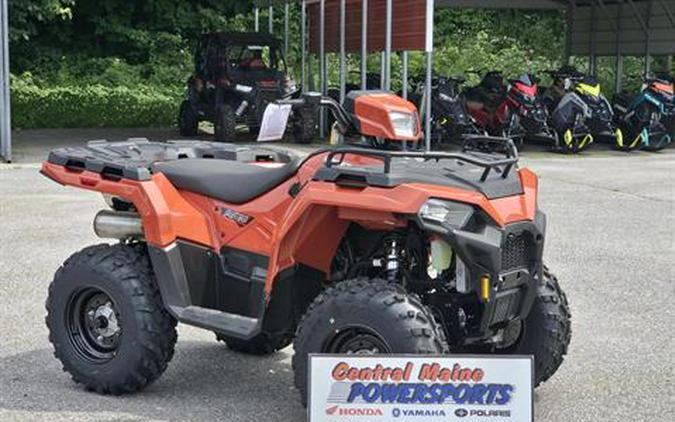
column 92, row 106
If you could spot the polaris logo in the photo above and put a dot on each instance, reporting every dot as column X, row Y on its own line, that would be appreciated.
column 461, row 413
column 481, row 413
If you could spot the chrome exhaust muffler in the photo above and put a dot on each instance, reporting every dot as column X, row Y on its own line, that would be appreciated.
column 118, row 225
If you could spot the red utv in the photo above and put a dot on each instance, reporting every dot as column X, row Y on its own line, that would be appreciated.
column 236, row 75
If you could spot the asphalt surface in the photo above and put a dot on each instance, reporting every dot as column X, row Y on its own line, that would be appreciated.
column 611, row 241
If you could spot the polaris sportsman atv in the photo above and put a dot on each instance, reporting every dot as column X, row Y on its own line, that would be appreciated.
column 346, row 250
column 236, row 75
column 569, row 113
column 643, row 118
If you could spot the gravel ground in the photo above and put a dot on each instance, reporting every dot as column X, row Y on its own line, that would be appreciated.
column 611, row 241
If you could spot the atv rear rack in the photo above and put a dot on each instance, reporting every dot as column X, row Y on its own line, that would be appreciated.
column 477, row 150
column 132, row 159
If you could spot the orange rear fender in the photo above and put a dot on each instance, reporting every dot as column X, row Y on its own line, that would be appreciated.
column 165, row 213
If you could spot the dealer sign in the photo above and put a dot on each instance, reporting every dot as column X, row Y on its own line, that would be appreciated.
column 418, row 387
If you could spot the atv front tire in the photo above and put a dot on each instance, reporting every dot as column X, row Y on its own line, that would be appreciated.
column 188, row 122
column 106, row 319
column 547, row 330
column 225, row 126
column 364, row 316
column 260, row 345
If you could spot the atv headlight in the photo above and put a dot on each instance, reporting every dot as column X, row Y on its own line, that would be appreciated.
column 449, row 213
column 405, row 124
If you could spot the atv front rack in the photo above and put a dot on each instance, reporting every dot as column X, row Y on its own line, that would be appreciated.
column 477, row 150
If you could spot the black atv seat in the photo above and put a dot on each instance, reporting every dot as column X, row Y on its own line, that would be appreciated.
column 231, row 181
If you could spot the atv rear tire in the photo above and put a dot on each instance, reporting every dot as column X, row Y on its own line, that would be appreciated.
column 106, row 319
column 188, row 121
column 547, row 330
column 225, row 126
column 260, row 345
column 364, row 316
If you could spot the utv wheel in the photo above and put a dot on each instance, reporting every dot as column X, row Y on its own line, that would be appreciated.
column 363, row 316
column 546, row 332
column 225, row 125
column 107, row 321
column 261, row 344
column 188, row 121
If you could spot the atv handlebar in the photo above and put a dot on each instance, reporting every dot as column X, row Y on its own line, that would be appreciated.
column 312, row 100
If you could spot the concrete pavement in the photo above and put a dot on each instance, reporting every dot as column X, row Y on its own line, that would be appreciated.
column 611, row 241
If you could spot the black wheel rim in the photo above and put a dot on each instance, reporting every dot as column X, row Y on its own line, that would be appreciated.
column 356, row 341
column 93, row 325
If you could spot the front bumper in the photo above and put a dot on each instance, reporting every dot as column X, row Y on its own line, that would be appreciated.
column 511, row 259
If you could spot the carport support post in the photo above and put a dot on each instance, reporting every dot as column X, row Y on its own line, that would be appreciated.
column 286, row 12
column 322, row 63
column 428, row 51
column 256, row 19
column 387, row 47
column 5, row 115
column 270, row 21
column 568, row 33
column 648, row 40
column 303, row 45
column 364, row 43
column 343, row 63
column 618, row 82
column 382, row 76
column 592, row 60
column 404, row 74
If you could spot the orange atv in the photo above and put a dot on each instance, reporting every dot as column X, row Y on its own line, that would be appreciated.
column 347, row 250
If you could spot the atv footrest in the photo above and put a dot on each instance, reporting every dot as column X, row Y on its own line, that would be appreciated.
column 223, row 322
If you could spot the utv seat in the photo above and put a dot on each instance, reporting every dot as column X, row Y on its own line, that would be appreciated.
column 231, row 181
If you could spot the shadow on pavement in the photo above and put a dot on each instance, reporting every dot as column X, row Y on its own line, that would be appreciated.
column 204, row 381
